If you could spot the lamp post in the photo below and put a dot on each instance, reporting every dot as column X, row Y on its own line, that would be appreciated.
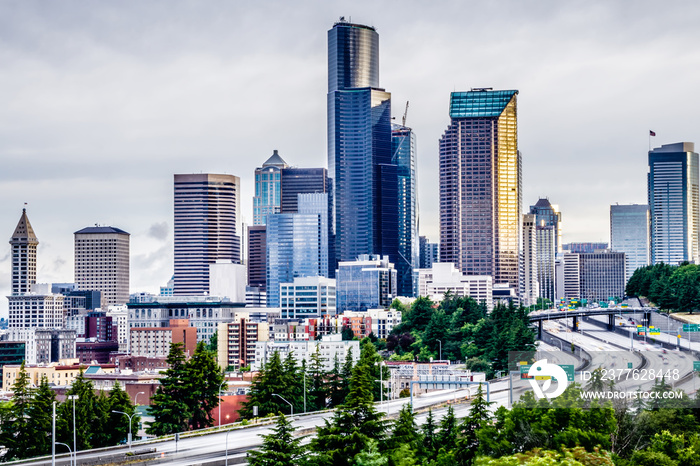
column 381, row 383
column 283, row 399
column 220, row 385
column 439, row 341
column 129, row 416
column 227, row 446
column 75, row 443
column 70, row 452
column 137, row 397
column 53, row 435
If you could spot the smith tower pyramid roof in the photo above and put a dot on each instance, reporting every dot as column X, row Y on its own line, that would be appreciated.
column 24, row 243
column 24, row 231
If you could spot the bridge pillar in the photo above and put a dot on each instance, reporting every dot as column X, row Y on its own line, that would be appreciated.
column 647, row 319
column 539, row 330
column 575, row 323
column 611, row 322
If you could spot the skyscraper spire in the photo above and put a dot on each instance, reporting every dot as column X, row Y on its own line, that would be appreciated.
column 24, row 243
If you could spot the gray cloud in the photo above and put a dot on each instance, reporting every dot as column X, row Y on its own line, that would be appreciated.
column 159, row 230
column 103, row 101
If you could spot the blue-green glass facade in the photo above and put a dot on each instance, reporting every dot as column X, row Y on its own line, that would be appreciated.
column 268, row 197
column 403, row 148
column 473, row 104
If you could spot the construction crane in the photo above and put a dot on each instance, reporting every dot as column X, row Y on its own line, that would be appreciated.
column 403, row 118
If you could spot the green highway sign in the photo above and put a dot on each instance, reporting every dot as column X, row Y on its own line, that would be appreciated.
column 524, row 369
column 569, row 369
column 691, row 327
column 630, row 365
column 696, row 366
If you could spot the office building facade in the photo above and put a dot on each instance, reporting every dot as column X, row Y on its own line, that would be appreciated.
column 596, row 276
column 268, row 179
column 403, row 149
column 297, row 181
column 429, row 253
column 363, row 176
column 629, row 233
column 307, row 297
column 480, row 185
column 206, row 216
column 366, row 283
column 547, row 214
column 297, row 244
column 444, row 276
column 530, row 286
column 674, row 203
column 102, row 263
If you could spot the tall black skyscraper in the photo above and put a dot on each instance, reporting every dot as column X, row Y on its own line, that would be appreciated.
column 363, row 177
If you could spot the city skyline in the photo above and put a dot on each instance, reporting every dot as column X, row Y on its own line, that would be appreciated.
column 98, row 120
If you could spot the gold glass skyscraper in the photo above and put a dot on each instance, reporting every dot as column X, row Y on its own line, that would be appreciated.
column 480, row 185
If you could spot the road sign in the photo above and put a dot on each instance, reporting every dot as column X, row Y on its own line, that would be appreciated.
column 524, row 369
column 691, row 328
column 630, row 365
column 696, row 366
column 569, row 369
column 654, row 330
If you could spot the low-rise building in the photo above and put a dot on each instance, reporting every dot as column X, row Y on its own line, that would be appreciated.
column 59, row 374
column 308, row 297
column 154, row 342
column 444, row 276
column 330, row 347
column 44, row 345
column 204, row 313
column 237, row 339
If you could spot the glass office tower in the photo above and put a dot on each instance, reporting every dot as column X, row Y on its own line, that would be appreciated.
column 297, row 244
column 363, row 176
column 629, row 233
column 674, row 203
column 480, row 185
column 268, row 199
column 403, row 148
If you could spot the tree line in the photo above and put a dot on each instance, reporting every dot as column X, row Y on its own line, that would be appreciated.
column 188, row 393
column 567, row 430
column 26, row 420
column 672, row 287
column 460, row 328
column 280, row 380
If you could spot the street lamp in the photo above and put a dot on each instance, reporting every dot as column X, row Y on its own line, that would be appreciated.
column 129, row 416
column 290, row 405
column 440, row 349
column 381, row 383
column 227, row 446
column 53, row 434
column 75, row 443
column 70, row 452
column 137, row 397
column 220, row 385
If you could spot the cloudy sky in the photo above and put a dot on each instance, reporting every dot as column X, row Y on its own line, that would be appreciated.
column 102, row 102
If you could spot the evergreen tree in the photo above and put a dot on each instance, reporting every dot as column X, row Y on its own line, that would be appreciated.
column 405, row 434
column 479, row 417
column 279, row 448
column 354, row 424
column 345, row 376
column 270, row 379
column 169, row 404
column 430, row 441
column 17, row 430
column 40, row 413
column 89, row 415
column 318, row 390
column 447, row 435
column 203, row 376
column 213, row 345
column 119, row 400
column 335, row 384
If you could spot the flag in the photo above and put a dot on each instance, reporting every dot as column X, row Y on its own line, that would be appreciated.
column 651, row 133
